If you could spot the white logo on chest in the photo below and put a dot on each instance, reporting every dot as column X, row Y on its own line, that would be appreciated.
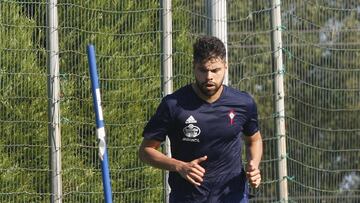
column 191, row 130
column 189, row 120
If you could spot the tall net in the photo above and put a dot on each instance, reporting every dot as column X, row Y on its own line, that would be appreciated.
column 126, row 35
column 23, row 103
column 322, row 45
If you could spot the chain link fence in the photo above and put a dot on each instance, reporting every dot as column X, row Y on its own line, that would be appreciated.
column 322, row 79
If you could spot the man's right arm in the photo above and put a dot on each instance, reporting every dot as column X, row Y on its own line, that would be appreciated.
column 191, row 171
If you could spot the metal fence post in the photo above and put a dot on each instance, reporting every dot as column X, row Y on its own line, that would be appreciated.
column 54, row 102
column 167, row 80
column 218, row 25
column 279, row 98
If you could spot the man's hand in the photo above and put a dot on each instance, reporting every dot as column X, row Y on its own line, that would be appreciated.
column 253, row 174
column 192, row 171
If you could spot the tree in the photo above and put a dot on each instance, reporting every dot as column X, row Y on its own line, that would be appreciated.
column 23, row 102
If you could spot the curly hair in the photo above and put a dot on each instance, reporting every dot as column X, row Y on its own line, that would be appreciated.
column 208, row 47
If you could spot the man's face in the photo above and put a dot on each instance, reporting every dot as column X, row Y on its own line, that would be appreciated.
column 209, row 75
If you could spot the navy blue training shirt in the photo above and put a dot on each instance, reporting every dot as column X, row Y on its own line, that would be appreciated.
column 197, row 128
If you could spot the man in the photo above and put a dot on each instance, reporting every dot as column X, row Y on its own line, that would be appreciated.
column 205, row 122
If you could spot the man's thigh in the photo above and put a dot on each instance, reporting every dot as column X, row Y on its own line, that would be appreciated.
column 222, row 189
column 229, row 198
column 233, row 190
column 187, row 199
column 234, row 197
column 198, row 195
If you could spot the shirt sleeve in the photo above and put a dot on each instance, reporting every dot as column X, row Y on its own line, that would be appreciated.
column 158, row 126
column 251, row 126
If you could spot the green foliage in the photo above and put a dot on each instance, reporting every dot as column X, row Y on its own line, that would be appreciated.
column 322, row 74
column 127, row 48
column 322, row 100
column 23, row 117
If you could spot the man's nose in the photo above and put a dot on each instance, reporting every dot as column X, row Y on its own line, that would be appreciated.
column 209, row 75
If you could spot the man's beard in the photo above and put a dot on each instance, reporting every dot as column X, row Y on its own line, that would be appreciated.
column 203, row 87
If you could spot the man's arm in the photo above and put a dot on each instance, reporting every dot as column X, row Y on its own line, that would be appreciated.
column 254, row 150
column 191, row 171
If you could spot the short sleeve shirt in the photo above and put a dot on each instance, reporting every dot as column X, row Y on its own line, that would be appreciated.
column 197, row 128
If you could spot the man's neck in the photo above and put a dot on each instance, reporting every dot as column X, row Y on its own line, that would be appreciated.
column 208, row 99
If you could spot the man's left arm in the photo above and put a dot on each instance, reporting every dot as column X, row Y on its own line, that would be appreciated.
column 254, row 150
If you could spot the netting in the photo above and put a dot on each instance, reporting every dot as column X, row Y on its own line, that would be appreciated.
column 23, row 103
column 322, row 80
column 126, row 35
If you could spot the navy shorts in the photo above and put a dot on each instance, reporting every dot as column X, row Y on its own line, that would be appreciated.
column 230, row 188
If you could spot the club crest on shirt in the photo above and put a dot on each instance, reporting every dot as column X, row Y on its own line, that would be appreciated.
column 191, row 131
column 231, row 116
